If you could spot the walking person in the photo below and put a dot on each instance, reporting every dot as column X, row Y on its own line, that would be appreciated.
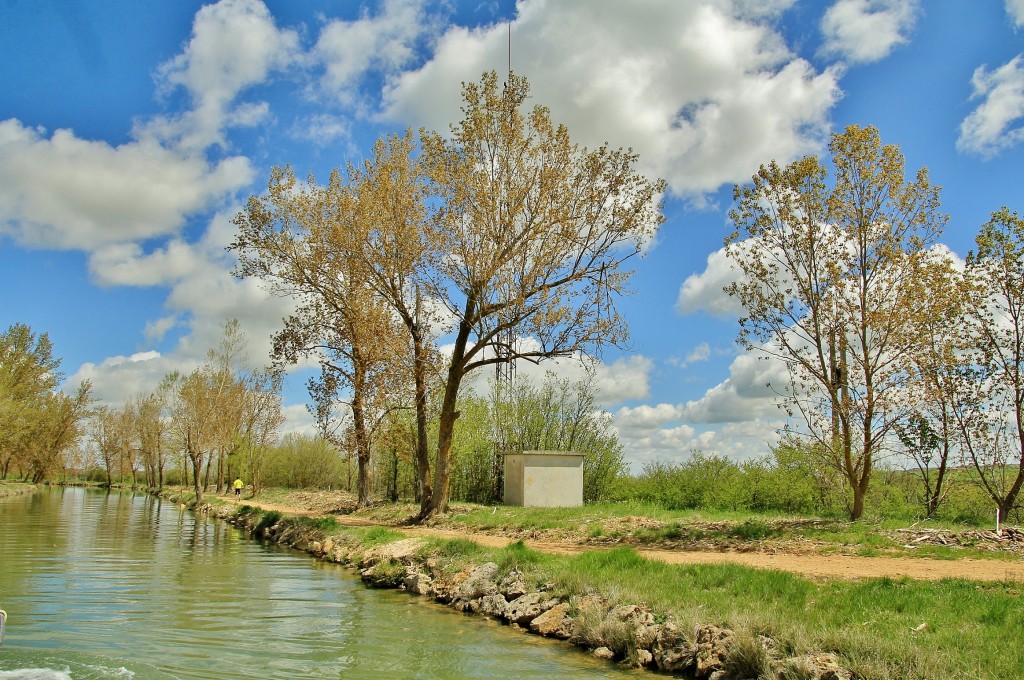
column 238, row 487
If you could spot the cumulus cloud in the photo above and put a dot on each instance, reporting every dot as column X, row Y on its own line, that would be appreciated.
column 701, row 90
column 1015, row 8
column 623, row 379
column 705, row 291
column 701, row 352
column 994, row 125
column 235, row 45
column 744, row 396
column 66, row 192
column 381, row 43
column 863, row 31
column 119, row 378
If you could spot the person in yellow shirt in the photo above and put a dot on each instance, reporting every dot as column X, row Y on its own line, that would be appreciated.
column 238, row 487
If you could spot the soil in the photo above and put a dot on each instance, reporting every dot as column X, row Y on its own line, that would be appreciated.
column 796, row 556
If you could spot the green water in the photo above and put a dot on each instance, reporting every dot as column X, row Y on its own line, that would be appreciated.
column 123, row 585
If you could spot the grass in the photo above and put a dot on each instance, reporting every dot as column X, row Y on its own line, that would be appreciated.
column 325, row 524
column 12, row 488
column 872, row 624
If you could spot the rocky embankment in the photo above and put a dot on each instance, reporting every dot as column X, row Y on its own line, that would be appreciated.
column 626, row 634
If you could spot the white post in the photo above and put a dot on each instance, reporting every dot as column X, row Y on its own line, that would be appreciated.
column 997, row 523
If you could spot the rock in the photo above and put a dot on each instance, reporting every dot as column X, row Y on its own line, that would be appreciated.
column 399, row 551
column 817, row 667
column 673, row 652
column 513, row 586
column 479, row 583
column 644, row 657
column 554, row 623
column 494, row 606
column 712, row 645
column 524, row 609
column 418, row 582
column 604, row 653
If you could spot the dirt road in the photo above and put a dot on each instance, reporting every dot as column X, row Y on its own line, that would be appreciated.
column 811, row 565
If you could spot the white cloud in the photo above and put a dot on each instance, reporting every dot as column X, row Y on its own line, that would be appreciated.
column 322, row 129
column 701, row 94
column 623, row 379
column 701, row 352
column 119, row 378
column 705, row 291
column 235, row 45
column 1015, row 8
column 646, row 418
column 297, row 419
column 744, row 396
column 863, row 31
column 67, row 192
column 382, row 43
column 994, row 125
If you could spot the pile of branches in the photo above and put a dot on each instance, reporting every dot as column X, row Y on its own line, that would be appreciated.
column 1008, row 538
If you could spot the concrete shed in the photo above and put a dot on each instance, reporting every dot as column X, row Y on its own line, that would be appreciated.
column 548, row 479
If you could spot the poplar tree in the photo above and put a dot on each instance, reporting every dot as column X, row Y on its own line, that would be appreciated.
column 989, row 405
column 831, row 276
column 530, row 240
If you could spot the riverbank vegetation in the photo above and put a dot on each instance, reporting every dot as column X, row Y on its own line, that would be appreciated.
column 876, row 627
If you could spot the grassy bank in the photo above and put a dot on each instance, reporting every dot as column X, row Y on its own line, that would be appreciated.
column 10, row 488
column 878, row 628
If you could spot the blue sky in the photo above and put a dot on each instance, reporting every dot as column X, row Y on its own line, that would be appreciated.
column 130, row 137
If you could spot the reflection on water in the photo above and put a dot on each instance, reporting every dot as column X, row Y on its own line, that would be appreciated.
column 125, row 585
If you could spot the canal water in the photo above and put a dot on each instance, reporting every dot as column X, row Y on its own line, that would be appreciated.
column 122, row 585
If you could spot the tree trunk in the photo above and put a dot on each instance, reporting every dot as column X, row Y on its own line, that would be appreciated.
column 419, row 370
column 446, row 429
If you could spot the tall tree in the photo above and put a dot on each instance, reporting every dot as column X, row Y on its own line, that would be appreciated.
column 261, row 419
column 303, row 241
column 990, row 402
column 391, row 247
column 831, row 279
column 929, row 433
column 529, row 240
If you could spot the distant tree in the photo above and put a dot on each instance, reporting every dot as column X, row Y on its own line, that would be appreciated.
column 261, row 419
column 529, row 239
column 111, row 431
column 989, row 405
column 57, row 428
column 831, row 284
column 562, row 415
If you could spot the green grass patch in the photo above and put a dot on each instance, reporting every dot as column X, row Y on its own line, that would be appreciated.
column 875, row 625
column 324, row 524
column 380, row 535
column 268, row 518
column 456, row 548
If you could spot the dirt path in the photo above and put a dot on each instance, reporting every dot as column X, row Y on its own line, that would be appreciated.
column 812, row 565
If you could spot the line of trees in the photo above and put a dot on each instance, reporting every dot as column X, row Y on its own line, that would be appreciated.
column 887, row 342
column 205, row 426
column 504, row 236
